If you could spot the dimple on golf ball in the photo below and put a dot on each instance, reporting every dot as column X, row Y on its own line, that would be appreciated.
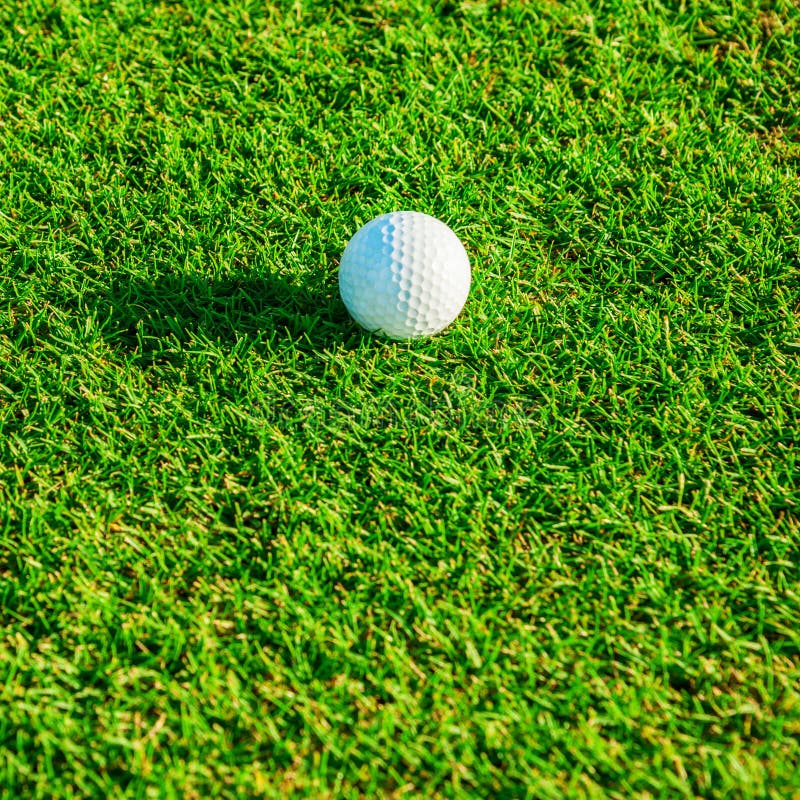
column 404, row 275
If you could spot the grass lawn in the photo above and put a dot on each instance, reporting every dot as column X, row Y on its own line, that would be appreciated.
column 249, row 550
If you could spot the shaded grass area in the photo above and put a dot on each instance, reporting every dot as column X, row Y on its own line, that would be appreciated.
column 250, row 550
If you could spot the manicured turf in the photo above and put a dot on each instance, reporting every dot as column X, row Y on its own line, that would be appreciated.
column 249, row 550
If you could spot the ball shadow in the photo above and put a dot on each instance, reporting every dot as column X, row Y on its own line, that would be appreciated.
column 141, row 314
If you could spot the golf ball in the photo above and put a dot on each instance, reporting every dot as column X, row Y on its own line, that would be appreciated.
column 404, row 275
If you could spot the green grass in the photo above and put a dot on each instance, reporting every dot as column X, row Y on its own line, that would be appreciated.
column 249, row 550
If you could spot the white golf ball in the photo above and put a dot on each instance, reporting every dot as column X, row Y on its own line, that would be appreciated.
column 404, row 275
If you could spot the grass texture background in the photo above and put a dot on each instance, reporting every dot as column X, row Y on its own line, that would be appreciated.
column 247, row 549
